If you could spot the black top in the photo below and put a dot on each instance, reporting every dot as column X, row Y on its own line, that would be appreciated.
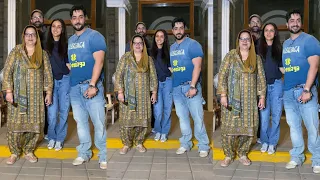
column 162, row 68
column 58, row 64
column 271, row 67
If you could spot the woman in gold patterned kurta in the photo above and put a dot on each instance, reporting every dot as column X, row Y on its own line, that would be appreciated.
column 241, row 81
column 27, row 73
column 135, row 78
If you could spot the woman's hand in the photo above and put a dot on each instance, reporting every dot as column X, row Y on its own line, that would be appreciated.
column 261, row 103
column 154, row 98
column 9, row 97
column 121, row 97
column 48, row 99
column 224, row 101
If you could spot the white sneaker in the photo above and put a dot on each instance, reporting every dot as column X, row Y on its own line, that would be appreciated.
column 264, row 148
column 157, row 137
column 163, row 138
column 103, row 165
column 51, row 144
column 291, row 165
column 271, row 149
column 259, row 141
column 78, row 161
column 203, row 154
column 316, row 169
column 58, row 146
column 181, row 150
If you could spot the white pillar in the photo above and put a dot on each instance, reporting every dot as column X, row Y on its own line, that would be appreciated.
column 122, row 30
column 210, row 56
column 225, row 28
column 11, row 24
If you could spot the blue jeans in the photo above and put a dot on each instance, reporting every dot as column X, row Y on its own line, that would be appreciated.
column 83, row 108
column 274, row 103
column 57, row 130
column 295, row 112
column 162, row 109
column 194, row 106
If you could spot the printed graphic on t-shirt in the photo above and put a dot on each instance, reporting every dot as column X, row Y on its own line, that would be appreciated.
column 74, row 63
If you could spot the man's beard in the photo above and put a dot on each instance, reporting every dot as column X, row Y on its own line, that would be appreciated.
column 294, row 32
column 78, row 29
column 182, row 36
column 38, row 24
column 255, row 29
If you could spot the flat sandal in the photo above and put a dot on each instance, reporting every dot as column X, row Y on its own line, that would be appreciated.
column 245, row 160
column 226, row 162
column 12, row 159
column 124, row 150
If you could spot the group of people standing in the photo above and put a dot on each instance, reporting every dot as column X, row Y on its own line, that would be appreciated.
column 50, row 69
column 149, row 78
column 260, row 76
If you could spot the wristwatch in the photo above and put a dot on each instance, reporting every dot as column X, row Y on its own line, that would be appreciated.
column 307, row 91
column 92, row 86
column 192, row 87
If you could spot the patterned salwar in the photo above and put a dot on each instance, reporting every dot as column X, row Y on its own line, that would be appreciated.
column 25, row 122
column 135, row 117
column 239, row 121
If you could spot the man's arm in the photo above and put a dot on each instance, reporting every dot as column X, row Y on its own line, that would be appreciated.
column 314, row 63
column 197, row 61
column 98, row 64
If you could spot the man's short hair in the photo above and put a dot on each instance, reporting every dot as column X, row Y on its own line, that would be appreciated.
column 178, row 19
column 36, row 10
column 294, row 11
column 254, row 15
column 138, row 23
column 78, row 7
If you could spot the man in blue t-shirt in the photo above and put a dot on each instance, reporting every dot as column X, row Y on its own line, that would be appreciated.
column 300, row 59
column 86, row 50
column 186, row 58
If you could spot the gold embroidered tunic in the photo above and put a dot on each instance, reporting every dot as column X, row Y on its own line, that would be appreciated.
column 140, row 85
column 37, row 81
column 250, row 86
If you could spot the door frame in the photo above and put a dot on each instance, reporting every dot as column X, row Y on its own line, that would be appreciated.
column 191, row 10
column 91, row 20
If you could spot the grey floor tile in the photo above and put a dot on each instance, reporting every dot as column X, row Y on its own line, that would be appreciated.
column 71, row 166
column 32, row 171
column 174, row 160
column 74, row 178
column 129, row 153
column 118, row 166
column 51, row 178
column 139, row 167
column 101, row 178
column 120, row 159
column 158, row 175
column 67, row 160
column 146, row 160
column 266, row 175
column 242, row 178
column 285, row 170
column 26, row 177
column 266, row 168
column 97, row 173
column 10, row 170
column 74, row 173
column 291, row 176
column 159, row 160
column 93, row 165
column 200, row 160
column 207, row 175
column 136, row 175
column 173, row 154
column 310, row 176
column 221, row 177
column 18, row 163
column 149, row 153
column 8, row 176
column 34, row 165
column 251, row 167
column 180, row 167
column 159, row 167
column 232, row 166
column 179, row 175
column 193, row 153
column 224, row 172
column 267, row 164
column 115, row 174
column 201, row 167
column 305, row 170
column 51, row 165
column 246, row 174
column 160, row 154
column 54, row 161
column 53, row 172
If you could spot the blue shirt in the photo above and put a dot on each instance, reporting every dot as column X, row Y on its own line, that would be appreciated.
column 80, row 54
column 295, row 56
column 271, row 67
column 162, row 68
column 181, row 56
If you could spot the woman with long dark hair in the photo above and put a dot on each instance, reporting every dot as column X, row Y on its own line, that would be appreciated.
column 57, row 46
column 270, row 50
column 162, row 108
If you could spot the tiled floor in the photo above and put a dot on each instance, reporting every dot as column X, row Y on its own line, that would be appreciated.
column 152, row 165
